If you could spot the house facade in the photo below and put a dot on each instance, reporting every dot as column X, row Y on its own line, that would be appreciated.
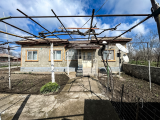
column 36, row 57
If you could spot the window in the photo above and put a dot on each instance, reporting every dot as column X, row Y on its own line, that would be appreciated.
column 89, row 56
column 72, row 54
column 111, row 55
column 84, row 56
column 32, row 55
column 56, row 55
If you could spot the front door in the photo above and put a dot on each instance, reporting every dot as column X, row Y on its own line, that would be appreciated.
column 87, row 62
column 87, row 59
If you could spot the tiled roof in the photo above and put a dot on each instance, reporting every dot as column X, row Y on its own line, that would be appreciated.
column 65, row 41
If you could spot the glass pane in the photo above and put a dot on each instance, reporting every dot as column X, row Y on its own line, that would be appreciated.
column 84, row 56
column 34, row 55
column 58, row 55
column 54, row 55
column 89, row 56
column 30, row 55
column 104, row 55
column 111, row 55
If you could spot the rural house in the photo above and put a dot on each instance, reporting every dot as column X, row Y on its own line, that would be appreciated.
column 4, row 57
column 35, row 57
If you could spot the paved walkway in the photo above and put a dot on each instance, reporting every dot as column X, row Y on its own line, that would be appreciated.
column 80, row 99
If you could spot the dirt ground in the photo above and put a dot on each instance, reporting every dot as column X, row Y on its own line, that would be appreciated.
column 28, row 83
column 133, row 88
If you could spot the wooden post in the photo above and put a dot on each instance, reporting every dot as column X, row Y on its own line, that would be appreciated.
column 9, row 74
column 67, row 63
column 52, row 64
column 119, row 63
column 9, row 68
column 149, row 67
column 149, row 74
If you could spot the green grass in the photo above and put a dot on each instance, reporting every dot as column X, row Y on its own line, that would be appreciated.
column 7, row 66
column 144, row 63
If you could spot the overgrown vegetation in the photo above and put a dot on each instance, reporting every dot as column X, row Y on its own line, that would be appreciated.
column 50, row 87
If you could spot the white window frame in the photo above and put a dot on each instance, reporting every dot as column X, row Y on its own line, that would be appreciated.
column 32, row 54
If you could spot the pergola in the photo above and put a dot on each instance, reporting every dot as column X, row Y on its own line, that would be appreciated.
column 42, row 37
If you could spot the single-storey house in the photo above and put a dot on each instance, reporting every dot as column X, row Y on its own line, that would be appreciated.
column 35, row 57
column 4, row 57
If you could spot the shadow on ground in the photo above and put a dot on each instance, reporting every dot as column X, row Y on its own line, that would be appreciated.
column 141, row 111
column 93, row 110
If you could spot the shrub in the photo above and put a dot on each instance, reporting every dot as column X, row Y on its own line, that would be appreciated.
column 49, row 87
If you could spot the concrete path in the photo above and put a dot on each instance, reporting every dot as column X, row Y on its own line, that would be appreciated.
column 80, row 99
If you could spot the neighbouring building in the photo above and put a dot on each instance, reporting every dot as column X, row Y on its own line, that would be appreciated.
column 35, row 57
column 4, row 58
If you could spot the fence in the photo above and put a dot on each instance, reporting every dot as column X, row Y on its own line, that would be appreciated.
column 131, row 97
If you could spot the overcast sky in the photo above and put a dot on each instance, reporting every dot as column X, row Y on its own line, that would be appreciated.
column 75, row 7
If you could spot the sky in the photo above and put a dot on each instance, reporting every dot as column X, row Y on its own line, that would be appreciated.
column 74, row 7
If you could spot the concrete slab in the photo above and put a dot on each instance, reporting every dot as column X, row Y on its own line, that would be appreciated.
column 68, row 104
column 66, row 88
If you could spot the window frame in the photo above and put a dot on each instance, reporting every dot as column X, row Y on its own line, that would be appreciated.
column 113, row 55
column 26, row 59
column 50, row 55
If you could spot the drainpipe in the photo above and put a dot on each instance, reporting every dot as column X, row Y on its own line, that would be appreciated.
column 52, row 64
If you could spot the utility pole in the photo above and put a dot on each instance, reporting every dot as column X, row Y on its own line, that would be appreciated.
column 52, row 64
column 155, row 6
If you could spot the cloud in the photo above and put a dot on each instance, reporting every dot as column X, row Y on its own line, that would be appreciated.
column 71, row 7
column 129, row 6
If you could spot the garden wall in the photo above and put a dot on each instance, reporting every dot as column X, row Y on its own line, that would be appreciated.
column 12, row 64
column 141, row 72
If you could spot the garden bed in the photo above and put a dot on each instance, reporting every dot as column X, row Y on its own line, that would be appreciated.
column 29, row 83
column 133, row 87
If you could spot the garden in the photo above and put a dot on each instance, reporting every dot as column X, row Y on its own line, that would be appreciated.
column 29, row 83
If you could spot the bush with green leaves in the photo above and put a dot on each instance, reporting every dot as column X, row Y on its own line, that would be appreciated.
column 49, row 87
